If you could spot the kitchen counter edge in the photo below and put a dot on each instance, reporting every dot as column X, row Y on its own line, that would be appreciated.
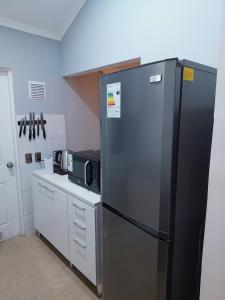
column 62, row 182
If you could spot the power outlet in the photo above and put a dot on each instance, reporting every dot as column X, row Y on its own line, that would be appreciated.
column 28, row 158
column 37, row 156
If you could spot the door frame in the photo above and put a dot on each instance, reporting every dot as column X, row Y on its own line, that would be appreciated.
column 15, row 147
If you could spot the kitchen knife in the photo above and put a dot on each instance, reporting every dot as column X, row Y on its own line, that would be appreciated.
column 34, row 134
column 21, row 127
column 38, row 128
column 30, row 125
column 25, row 125
column 43, row 126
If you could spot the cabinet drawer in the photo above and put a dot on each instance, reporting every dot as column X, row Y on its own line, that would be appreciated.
column 80, row 230
column 81, row 217
column 82, row 256
column 82, row 237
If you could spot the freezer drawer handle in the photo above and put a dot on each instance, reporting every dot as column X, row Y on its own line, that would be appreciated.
column 78, row 224
column 77, row 206
column 82, row 245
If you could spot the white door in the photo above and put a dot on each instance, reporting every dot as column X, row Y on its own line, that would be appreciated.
column 9, row 209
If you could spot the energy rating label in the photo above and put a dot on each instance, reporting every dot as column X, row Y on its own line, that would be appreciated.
column 114, row 100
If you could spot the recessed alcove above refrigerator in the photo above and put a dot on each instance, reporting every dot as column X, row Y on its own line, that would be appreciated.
column 83, row 105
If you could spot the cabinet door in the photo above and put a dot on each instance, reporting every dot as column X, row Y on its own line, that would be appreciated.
column 82, row 237
column 41, row 207
column 36, row 208
column 51, row 214
column 44, row 209
column 58, row 219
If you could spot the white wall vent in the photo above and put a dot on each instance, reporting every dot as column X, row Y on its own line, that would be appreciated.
column 36, row 90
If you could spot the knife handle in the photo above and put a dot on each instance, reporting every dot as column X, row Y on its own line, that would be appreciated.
column 34, row 134
column 30, row 134
column 21, row 127
column 38, row 128
column 44, row 134
column 24, row 129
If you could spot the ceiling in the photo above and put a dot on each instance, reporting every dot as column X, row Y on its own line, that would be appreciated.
column 48, row 18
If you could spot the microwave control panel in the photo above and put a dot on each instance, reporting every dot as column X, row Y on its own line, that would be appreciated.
column 70, row 162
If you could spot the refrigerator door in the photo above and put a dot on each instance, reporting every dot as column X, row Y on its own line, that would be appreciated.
column 137, row 147
column 134, row 262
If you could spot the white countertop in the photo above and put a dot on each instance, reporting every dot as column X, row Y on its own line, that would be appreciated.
column 62, row 182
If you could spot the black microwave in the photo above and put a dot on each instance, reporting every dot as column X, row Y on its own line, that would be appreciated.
column 84, row 169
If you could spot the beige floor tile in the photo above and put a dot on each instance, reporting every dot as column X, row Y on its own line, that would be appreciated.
column 32, row 270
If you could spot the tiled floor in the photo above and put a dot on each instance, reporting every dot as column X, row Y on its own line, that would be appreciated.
column 30, row 270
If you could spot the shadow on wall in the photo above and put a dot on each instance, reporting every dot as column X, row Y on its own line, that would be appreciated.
column 87, row 87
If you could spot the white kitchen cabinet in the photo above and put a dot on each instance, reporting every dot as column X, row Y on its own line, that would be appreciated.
column 69, row 217
column 82, row 237
column 50, row 214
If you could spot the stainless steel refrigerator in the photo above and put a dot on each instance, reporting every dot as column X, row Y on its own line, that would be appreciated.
column 156, row 131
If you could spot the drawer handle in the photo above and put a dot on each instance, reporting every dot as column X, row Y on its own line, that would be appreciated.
column 79, row 207
column 51, row 191
column 78, row 224
column 41, row 185
column 82, row 245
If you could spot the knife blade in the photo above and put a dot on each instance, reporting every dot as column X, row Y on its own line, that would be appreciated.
column 30, row 125
column 43, row 126
column 21, row 127
column 38, row 128
column 34, row 134
column 25, row 125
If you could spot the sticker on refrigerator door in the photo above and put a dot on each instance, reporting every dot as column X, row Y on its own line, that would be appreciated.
column 155, row 78
column 188, row 74
column 114, row 100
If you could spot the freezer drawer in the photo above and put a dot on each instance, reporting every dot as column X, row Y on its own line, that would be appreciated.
column 134, row 262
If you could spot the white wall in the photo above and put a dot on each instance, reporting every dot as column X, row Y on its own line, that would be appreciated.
column 107, row 32
column 82, row 124
column 213, row 268
column 32, row 58
column 111, row 31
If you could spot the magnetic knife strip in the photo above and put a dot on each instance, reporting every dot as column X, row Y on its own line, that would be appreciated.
column 34, row 126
